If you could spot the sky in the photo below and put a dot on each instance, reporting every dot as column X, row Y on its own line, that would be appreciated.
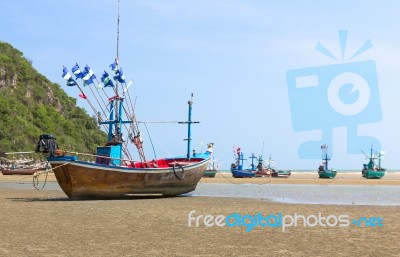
column 240, row 60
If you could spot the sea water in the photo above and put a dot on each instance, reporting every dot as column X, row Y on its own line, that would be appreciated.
column 285, row 193
column 305, row 194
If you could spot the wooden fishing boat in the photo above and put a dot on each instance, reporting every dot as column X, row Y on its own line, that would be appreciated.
column 237, row 168
column 373, row 170
column 113, row 173
column 111, row 176
column 323, row 170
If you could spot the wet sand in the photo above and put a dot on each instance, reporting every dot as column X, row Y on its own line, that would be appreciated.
column 47, row 223
column 390, row 179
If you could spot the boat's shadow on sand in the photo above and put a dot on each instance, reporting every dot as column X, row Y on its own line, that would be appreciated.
column 66, row 199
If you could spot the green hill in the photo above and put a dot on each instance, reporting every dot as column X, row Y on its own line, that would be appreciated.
column 31, row 105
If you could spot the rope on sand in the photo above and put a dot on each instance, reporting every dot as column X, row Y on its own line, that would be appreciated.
column 230, row 180
column 35, row 177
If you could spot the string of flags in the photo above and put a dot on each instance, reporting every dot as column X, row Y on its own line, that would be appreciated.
column 88, row 77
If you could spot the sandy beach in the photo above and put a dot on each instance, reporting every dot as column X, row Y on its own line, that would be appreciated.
column 47, row 223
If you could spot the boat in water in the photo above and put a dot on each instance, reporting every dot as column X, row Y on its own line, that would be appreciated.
column 323, row 170
column 112, row 172
column 237, row 168
column 373, row 170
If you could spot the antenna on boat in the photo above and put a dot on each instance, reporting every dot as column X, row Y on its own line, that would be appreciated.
column 118, row 33
column 262, row 150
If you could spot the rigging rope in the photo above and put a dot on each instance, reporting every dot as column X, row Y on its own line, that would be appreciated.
column 151, row 141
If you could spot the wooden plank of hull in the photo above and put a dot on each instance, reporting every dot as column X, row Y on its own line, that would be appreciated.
column 88, row 181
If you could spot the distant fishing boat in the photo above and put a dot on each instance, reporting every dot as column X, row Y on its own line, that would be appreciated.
column 262, row 169
column 237, row 168
column 373, row 170
column 27, row 171
column 22, row 166
column 277, row 173
column 112, row 172
column 212, row 167
column 323, row 170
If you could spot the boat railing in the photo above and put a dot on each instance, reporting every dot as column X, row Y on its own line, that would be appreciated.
column 159, row 163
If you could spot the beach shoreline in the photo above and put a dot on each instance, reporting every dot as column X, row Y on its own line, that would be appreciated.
column 390, row 179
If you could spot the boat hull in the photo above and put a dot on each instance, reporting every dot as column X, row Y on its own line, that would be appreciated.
column 87, row 180
column 327, row 174
column 19, row 171
column 242, row 173
column 210, row 173
column 281, row 174
column 263, row 173
column 373, row 174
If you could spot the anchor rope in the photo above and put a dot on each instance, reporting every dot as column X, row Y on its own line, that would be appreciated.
column 35, row 178
column 230, row 180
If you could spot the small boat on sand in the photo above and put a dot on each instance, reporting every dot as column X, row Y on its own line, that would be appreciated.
column 212, row 167
column 373, row 170
column 323, row 170
column 277, row 173
column 6, row 171
column 262, row 169
column 237, row 168
column 21, row 167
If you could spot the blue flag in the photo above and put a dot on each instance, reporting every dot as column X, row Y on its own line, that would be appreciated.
column 119, row 75
column 88, row 76
column 66, row 74
column 114, row 66
column 77, row 72
column 70, row 81
column 107, row 80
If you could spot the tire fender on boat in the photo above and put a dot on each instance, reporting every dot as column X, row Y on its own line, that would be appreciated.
column 183, row 171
